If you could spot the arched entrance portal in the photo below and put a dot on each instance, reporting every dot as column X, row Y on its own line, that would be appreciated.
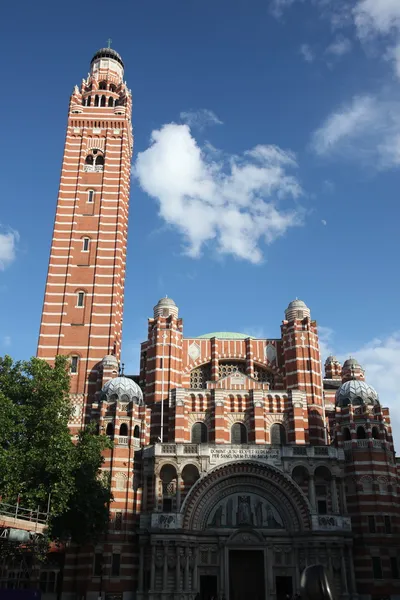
column 249, row 514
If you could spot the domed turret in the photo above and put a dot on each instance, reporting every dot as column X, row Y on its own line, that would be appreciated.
column 356, row 393
column 107, row 53
column 352, row 370
column 122, row 389
column 333, row 368
column 110, row 362
column 297, row 309
column 165, row 307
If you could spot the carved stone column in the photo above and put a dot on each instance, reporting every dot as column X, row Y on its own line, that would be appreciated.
column 343, row 574
column 352, row 574
column 342, row 488
column 153, row 569
column 178, row 492
column 178, row 570
column 311, row 493
column 141, row 567
column 334, row 495
column 165, row 569
column 187, row 569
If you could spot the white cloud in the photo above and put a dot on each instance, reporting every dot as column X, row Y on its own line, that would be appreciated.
column 200, row 118
column 6, row 341
column 339, row 47
column 366, row 130
column 279, row 6
column 231, row 201
column 307, row 53
column 324, row 222
column 8, row 246
column 376, row 16
column 344, row 123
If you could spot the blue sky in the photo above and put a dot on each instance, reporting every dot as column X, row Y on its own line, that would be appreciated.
column 267, row 141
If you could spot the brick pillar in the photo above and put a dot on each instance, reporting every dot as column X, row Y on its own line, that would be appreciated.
column 214, row 360
column 220, row 434
column 249, row 358
column 180, row 417
column 300, row 416
column 258, row 416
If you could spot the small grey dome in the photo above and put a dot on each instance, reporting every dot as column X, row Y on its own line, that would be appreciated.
column 356, row 392
column 165, row 307
column 331, row 359
column 166, row 302
column 351, row 362
column 123, row 388
column 109, row 362
column 297, row 309
column 108, row 53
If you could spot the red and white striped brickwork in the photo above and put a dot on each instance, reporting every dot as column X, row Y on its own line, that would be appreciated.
column 83, row 303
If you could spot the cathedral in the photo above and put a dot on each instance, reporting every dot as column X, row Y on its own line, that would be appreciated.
column 236, row 461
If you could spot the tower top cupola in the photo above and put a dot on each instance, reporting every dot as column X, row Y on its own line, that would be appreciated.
column 352, row 370
column 107, row 61
column 297, row 309
column 107, row 53
column 165, row 307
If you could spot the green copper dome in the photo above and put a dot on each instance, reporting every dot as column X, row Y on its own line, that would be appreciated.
column 224, row 335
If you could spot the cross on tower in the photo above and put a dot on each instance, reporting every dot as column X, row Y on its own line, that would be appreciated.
column 109, row 41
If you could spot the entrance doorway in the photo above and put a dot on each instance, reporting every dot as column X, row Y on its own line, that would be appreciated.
column 246, row 575
column 284, row 587
column 208, row 587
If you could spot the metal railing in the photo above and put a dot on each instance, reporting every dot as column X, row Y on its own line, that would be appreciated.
column 16, row 511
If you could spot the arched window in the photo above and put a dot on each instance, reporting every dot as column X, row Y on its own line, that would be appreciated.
column 238, row 434
column 80, row 298
column 123, row 430
column 90, row 196
column 110, row 430
column 278, row 434
column 136, row 432
column 375, row 433
column 346, row 434
column 199, row 433
column 88, row 100
column 361, row 433
column 85, row 244
column 99, row 160
column 96, row 101
column 89, row 159
column 74, row 365
column 102, row 85
column 120, row 481
column 103, row 101
column 112, row 87
column 110, row 101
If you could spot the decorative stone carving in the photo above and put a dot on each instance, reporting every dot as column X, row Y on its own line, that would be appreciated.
column 194, row 351
column 245, row 510
column 270, row 353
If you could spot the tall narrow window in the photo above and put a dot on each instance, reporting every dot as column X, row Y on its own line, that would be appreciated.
column 74, row 365
column 90, row 196
column 371, row 524
column 377, row 567
column 388, row 524
column 115, row 564
column 394, row 565
column 98, row 564
column 85, row 244
column 80, row 299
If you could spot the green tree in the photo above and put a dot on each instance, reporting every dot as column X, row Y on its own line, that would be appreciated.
column 38, row 458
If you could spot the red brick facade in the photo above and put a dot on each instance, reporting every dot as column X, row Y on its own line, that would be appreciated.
column 229, row 451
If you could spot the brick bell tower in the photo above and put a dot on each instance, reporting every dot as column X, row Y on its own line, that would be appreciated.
column 84, row 295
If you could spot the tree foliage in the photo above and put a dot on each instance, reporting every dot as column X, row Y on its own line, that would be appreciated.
column 38, row 457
